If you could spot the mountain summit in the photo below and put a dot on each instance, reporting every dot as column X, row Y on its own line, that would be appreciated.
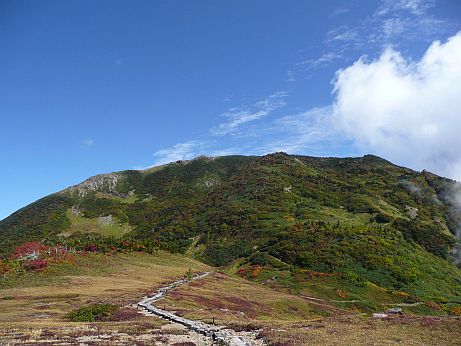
column 364, row 220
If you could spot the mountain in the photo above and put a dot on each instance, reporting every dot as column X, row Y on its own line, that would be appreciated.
column 364, row 221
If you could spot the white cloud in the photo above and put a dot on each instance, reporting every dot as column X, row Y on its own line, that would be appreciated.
column 310, row 130
column 87, row 143
column 339, row 11
column 228, row 98
column 404, row 21
column 237, row 116
column 180, row 151
column 399, row 23
column 408, row 111
column 322, row 61
column 416, row 7
column 394, row 22
column 342, row 33
column 392, row 27
column 291, row 76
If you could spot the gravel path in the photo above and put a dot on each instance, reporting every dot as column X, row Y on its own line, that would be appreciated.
column 217, row 334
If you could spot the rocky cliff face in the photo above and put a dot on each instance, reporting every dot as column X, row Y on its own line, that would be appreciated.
column 101, row 182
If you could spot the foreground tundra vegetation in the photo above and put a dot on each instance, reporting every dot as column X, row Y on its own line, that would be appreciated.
column 39, row 306
column 90, row 300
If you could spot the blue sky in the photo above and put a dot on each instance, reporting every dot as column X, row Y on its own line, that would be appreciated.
column 89, row 87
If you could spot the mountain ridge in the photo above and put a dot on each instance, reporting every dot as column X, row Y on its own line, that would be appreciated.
column 364, row 219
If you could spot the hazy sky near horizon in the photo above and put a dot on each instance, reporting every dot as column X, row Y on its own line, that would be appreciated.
column 90, row 87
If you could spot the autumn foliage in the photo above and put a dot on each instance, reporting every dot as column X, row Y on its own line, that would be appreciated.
column 35, row 265
column 4, row 268
column 27, row 249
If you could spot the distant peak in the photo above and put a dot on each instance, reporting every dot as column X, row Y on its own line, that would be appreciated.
column 374, row 158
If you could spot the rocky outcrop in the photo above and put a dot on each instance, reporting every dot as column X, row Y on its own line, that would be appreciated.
column 411, row 212
column 102, row 182
column 106, row 220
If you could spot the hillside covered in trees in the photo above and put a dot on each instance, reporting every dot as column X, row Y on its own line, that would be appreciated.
column 364, row 220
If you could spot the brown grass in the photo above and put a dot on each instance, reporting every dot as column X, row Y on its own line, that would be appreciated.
column 37, row 314
column 284, row 319
column 235, row 301
column 365, row 331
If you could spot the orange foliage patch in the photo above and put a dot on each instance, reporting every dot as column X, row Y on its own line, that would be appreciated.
column 400, row 294
column 341, row 293
column 456, row 310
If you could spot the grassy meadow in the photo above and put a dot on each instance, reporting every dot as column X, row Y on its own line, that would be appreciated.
column 34, row 306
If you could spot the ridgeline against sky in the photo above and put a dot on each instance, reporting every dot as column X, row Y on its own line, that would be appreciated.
column 89, row 87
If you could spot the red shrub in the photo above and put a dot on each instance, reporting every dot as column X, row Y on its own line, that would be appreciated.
column 60, row 258
column 241, row 271
column 35, row 265
column 90, row 247
column 27, row 249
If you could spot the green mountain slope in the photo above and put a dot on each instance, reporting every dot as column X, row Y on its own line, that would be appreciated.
column 364, row 219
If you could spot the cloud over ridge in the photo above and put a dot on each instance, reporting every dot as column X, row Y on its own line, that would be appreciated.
column 408, row 111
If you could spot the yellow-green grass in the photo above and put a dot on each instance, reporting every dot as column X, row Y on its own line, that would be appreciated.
column 332, row 289
column 128, row 200
column 342, row 216
column 84, row 225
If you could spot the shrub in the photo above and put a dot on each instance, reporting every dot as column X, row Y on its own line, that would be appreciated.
column 433, row 305
column 92, row 313
column 400, row 294
column 383, row 218
column 35, row 265
column 189, row 274
column 124, row 314
column 259, row 259
column 255, row 270
column 456, row 310
column 429, row 236
column 91, row 247
column 27, row 249
column 4, row 268
column 341, row 293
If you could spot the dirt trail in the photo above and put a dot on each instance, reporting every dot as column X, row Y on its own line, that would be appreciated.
column 324, row 303
column 217, row 334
